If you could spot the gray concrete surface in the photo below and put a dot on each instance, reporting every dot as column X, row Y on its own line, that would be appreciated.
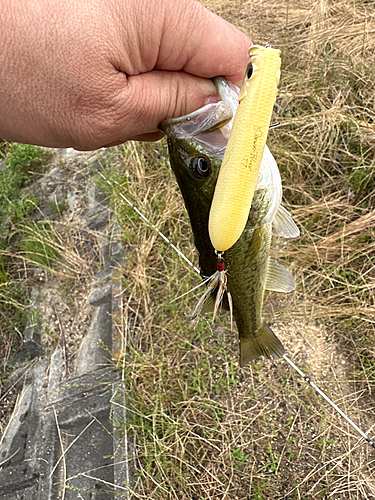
column 61, row 442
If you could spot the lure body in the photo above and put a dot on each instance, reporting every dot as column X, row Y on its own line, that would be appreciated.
column 240, row 167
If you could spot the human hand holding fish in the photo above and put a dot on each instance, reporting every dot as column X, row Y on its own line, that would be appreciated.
column 100, row 72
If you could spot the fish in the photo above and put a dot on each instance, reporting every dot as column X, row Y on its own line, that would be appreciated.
column 197, row 144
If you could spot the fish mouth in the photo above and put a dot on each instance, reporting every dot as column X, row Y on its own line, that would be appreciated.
column 210, row 125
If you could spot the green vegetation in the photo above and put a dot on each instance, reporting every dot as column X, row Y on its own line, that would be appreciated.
column 21, row 164
column 20, row 158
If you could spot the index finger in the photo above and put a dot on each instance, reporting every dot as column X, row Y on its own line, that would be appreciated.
column 181, row 36
column 208, row 46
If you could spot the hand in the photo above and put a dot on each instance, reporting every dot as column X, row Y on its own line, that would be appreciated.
column 87, row 74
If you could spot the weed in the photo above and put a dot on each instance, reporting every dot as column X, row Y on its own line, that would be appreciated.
column 20, row 165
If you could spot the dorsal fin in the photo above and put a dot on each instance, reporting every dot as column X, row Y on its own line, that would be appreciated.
column 279, row 278
column 284, row 225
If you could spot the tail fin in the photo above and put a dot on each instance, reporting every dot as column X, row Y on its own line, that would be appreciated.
column 263, row 343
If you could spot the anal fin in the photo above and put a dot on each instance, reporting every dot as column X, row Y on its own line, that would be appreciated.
column 264, row 343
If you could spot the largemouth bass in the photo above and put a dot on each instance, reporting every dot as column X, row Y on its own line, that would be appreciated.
column 196, row 146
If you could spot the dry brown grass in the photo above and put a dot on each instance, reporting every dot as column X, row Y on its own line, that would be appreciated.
column 203, row 427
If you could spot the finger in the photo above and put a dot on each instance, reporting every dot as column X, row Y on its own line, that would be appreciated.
column 142, row 102
column 193, row 39
column 208, row 46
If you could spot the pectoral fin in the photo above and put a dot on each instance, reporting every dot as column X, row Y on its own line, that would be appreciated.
column 264, row 343
column 279, row 278
column 284, row 224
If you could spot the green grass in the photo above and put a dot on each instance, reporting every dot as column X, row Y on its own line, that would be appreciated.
column 21, row 165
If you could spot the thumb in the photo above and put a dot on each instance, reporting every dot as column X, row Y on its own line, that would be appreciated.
column 149, row 98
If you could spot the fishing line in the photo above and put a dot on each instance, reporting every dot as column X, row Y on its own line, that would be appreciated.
column 150, row 223
column 309, row 381
column 300, row 372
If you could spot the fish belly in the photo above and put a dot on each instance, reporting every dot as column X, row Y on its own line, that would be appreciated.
column 247, row 273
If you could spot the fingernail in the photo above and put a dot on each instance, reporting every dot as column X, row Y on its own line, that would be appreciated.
column 209, row 90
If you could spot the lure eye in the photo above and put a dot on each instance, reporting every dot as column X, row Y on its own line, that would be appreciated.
column 249, row 70
column 200, row 167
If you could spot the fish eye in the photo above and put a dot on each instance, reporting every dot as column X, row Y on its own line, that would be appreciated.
column 249, row 70
column 200, row 167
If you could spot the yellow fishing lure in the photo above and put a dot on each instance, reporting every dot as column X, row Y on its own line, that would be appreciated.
column 240, row 167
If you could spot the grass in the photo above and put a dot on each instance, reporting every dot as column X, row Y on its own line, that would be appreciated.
column 21, row 164
column 203, row 427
